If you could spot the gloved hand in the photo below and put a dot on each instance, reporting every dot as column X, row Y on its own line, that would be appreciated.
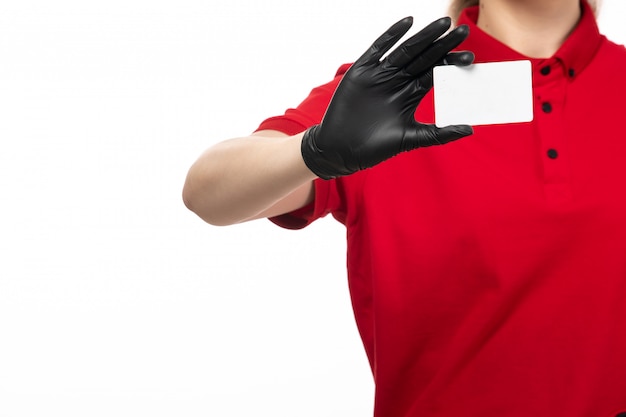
column 371, row 115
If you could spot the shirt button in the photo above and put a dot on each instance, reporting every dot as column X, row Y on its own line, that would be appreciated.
column 545, row 70
column 546, row 107
column 552, row 153
column 571, row 72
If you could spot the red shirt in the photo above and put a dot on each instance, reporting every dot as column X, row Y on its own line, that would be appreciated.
column 488, row 275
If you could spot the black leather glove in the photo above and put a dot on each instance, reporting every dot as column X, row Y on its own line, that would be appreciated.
column 371, row 115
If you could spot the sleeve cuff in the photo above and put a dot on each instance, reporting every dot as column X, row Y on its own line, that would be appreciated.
column 306, row 215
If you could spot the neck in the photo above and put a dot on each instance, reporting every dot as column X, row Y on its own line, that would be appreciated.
column 535, row 28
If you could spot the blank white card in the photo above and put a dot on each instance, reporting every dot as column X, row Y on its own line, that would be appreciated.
column 483, row 94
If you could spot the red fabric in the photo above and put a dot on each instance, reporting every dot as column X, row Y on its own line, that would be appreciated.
column 488, row 279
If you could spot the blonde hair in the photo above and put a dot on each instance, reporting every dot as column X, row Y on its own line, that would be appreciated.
column 456, row 6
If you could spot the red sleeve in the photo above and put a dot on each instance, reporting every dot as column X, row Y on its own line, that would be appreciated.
column 309, row 112
column 320, row 207
column 296, row 120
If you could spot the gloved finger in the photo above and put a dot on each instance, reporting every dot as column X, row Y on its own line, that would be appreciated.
column 425, row 81
column 429, row 135
column 384, row 43
column 437, row 51
column 453, row 132
column 460, row 59
column 416, row 44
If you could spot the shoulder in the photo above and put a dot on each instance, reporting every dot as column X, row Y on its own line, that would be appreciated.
column 613, row 51
column 608, row 66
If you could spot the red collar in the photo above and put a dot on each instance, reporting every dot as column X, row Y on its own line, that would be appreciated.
column 575, row 53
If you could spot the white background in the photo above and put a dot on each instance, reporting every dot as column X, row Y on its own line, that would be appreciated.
column 114, row 299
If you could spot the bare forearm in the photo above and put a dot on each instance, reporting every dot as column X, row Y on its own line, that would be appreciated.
column 239, row 179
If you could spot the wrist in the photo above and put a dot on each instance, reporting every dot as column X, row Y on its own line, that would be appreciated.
column 326, row 164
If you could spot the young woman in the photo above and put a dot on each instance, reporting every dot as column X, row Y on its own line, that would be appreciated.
column 487, row 273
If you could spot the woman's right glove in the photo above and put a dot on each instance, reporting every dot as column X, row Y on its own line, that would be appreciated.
column 371, row 115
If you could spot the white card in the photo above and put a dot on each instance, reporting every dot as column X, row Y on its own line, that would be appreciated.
column 482, row 94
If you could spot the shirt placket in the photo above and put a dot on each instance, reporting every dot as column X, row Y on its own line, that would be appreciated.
column 551, row 80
